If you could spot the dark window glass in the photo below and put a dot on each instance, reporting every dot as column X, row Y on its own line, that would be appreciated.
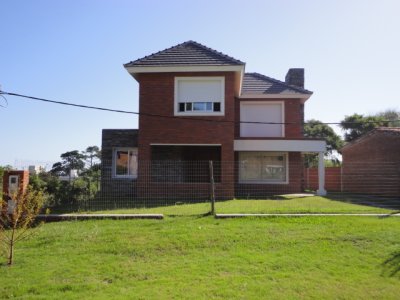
column 217, row 106
column 188, row 106
column 181, row 106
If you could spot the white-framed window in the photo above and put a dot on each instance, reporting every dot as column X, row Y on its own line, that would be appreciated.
column 199, row 96
column 264, row 112
column 125, row 163
column 263, row 167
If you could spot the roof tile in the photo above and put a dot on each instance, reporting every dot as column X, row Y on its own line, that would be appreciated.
column 258, row 84
column 187, row 53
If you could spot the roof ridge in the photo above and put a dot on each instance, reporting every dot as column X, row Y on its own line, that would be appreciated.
column 155, row 53
column 215, row 51
column 383, row 128
column 296, row 88
column 188, row 43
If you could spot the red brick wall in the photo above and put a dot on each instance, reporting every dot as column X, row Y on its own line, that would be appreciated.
column 156, row 94
column 372, row 165
column 332, row 179
column 293, row 114
column 157, row 97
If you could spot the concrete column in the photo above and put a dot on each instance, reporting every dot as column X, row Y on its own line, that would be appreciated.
column 321, row 175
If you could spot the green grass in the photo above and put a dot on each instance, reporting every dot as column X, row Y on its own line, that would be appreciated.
column 285, row 204
column 206, row 258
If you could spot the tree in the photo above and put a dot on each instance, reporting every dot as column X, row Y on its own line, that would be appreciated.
column 392, row 115
column 2, row 169
column 71, row 160
column 316, row 129
column 357, row 125
column 92, row 154
column 17, row 219
column 91, row 174
column 69, row 194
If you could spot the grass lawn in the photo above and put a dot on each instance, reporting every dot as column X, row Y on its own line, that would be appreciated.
column 204, row 258
column 288, row 204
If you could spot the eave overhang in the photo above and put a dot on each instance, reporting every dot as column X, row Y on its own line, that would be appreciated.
column 280, row 145
column 238, row 69
column 302, row 97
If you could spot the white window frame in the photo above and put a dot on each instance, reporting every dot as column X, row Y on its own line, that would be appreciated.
column 266, row 181
column 221, row 79
column 282, row 103
column 114, row 162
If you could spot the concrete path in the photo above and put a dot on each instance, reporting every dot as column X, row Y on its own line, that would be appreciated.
column 225, row 216
column 73, row 217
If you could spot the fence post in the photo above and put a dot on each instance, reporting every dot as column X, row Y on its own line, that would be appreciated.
column 341, row 177
column 212, row 187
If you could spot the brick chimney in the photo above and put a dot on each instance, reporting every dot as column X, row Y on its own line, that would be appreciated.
column 295, row 77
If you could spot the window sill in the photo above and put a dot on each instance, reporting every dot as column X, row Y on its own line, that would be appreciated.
column 124, row 177
column 199, row 114
column 262, row 182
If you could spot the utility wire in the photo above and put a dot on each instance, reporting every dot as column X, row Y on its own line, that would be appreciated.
column 174, row 117
column 5, row 101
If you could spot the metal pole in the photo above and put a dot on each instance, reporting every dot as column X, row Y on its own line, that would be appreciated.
column 212, row 187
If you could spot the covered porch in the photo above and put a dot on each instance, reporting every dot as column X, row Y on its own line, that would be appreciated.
column 276, row 163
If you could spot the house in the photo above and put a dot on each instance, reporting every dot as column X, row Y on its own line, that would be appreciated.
column 198, row 105
column 371, row 163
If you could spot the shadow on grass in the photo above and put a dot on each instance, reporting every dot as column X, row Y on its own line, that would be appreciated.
column 120, row 204
column 391, row 266
column 197, row 216
column 392, row 203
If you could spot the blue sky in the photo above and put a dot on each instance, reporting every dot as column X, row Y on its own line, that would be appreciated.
column 74, row 50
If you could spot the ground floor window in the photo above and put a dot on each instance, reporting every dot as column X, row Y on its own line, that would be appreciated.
column 263, row 167
column 125, row 163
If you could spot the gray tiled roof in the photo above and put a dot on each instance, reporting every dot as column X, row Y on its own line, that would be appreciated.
column 187, row 53
column 385, row 131
column 258, row 84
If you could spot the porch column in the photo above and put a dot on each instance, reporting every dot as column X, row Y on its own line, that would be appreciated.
column 321, row 175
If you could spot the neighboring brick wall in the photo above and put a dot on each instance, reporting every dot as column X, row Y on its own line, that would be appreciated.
column 372, row 165
column 156, row 94
column 332, row 179
column 115, row 138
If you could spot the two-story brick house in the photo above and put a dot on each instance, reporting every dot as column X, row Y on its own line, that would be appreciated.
column 197, row 104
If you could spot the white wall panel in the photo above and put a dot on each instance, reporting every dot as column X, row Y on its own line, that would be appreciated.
column 261, row 112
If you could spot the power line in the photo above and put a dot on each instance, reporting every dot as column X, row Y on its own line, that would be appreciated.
column 176, row 117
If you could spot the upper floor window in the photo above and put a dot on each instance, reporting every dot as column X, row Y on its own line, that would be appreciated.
column 264, row 112
column 125, row 163
column 199, row 96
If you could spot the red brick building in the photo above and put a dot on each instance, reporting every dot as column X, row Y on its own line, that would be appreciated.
column 198, row 105
column 371, row 163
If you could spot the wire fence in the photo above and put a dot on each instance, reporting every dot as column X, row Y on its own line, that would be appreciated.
column 274, row 185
